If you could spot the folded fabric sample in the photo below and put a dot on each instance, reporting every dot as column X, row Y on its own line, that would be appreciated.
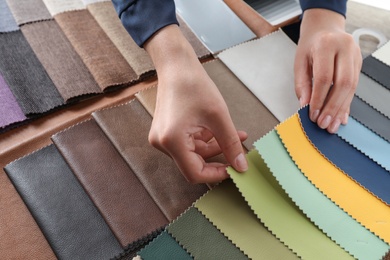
column 334, row 222
column 201, row 239
column 28, row 11
column 64, row 66
column 377, row 70
column 370, row 118
column 164, row 247
column 372, row 145
column 265, row 66
column 337, row 186
column 25, row 75
column 109, row 182
column 374, row 94
column 227, row 210
column 219, row 29
column 59, row 6
column 7, row 21
column 363, row 170
column 127, row 127
column 97, row 51
column 280, row 215
column 49, row 189
column 383, row 54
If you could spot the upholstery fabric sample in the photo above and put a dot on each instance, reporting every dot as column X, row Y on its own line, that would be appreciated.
column 108, row 19
column 62, row 209
column 87, row 2
column 62, row 63
column 128, row 126
column 371, row 144
column 351, row 161
column 374, row 94
column 7, row 21
column 370, row 118
column 121, row 199
column 336, row 223
column 226, row 209
column 265, row 66
column 280, row 215
column 383, row 54
column 97, row 51
column 10, row 111
column 337, row 186
column 28, row 11
column 377, row 70
column 25, row 75
column 59, row 6
column 201, row 239
column 147, row 98
column 217, row 32
column 164, row 247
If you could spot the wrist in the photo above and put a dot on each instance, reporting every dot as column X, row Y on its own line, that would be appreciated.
column 315, row 20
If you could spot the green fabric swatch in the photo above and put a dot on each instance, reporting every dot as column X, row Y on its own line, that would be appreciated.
column 162, row 248
column 270, row 203
column 228, row 211
column 336, row 223
column 201, row 239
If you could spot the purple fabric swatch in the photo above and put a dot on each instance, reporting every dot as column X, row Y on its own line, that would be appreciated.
column 10, row 111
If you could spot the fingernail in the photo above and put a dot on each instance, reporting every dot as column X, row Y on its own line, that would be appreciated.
column 241, row 163
column 345, row 121
column 314, row 115
column 325, row 122
column 334, row 126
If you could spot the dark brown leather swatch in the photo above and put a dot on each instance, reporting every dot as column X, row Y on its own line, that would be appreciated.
column 67, row 217
column 122, row 200
column 128, row 126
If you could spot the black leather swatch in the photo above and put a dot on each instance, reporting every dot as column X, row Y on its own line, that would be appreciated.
column 68, row 218
column 377, row 70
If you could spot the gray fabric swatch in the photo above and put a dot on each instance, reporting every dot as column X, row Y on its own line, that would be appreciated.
column 28, row 11
column 7, row 21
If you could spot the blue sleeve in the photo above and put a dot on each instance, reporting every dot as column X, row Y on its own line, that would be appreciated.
column 142, row 18
column 338, row 6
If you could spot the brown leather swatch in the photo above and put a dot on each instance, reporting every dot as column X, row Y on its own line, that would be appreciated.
column 120, row 197
column 128, row 126
column 63, row 65
column 99, row 54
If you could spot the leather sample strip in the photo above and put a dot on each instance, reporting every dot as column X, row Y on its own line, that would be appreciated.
column 377, row 70
column 254, row 63
column 334, row 222
column 363, row 170
column 62, row 209
column 97, row 51
column 383, row 53
column 7, row 21
column 107, row 18
column 147, row 98
column 374, row 94
column 370, row 118
column 58, row 6
column 127, row 126
column 28, row 11
column 164, row 247
column 280, row 215
column 212, row 30
column 337, row 186
column 25, row 75
column 62, row 63
column 227, row 210
column 201, row 239
column 121, row 199
column 10, row 111
column 372, row 145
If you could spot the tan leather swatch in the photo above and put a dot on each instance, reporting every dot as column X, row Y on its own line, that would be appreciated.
column 128, row 126
column 147, row 97
column 121, row 199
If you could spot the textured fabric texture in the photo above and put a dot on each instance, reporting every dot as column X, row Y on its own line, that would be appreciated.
column 49, row 189
column 383, row 54
column 59, row 6
column 7, row 21
column 62, row 63
column 377, row 70
column 127, row 126
column 99, row 54
column 10, row 111
column 28, row 11
column 118, row 194
column 107, row 18
column 25, row 75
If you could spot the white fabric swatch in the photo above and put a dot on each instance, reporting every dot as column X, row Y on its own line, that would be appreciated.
column 383, row 53
column 60, row 6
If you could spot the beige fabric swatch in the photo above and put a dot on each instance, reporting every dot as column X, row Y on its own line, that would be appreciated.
column 59, row 6
column 147, row 98
column 28, row 11
column 383, row 53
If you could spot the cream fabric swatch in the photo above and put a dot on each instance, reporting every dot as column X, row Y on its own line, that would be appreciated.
column 60, row 6
column 383, row 54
